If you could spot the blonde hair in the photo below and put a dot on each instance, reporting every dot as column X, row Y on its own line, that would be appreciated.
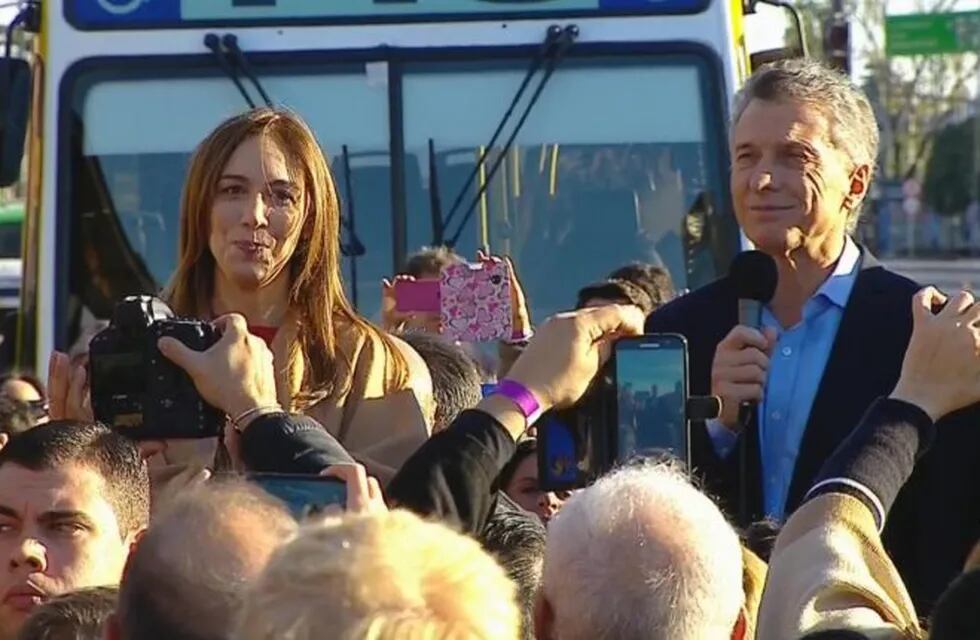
column 378, row 577
column 316, row 291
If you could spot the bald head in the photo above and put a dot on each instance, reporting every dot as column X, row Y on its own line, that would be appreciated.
column 641, row 554
column 185, row 580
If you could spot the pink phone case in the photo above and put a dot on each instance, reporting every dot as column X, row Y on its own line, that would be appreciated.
column 476, row 302
column 420, row 296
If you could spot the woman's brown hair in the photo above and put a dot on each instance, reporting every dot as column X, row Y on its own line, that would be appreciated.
column 316, row 293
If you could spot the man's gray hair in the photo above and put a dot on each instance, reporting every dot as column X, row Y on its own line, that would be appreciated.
column 642, row 554
column 851, row 120
column 187, row 577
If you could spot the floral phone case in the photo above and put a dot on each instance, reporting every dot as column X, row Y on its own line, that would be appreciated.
column 475, row 302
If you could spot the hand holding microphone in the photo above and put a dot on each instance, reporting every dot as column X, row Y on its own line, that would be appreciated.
column 741, row 363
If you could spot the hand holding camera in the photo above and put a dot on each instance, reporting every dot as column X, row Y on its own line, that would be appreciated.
column 941, row 370
column 235, row 375
column 566, row 353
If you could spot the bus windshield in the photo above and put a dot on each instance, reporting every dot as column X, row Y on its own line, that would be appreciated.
column 621, row 159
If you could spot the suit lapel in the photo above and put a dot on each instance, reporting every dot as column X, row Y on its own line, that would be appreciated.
column 857, row 368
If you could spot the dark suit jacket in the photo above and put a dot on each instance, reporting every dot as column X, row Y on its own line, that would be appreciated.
column 936, row 518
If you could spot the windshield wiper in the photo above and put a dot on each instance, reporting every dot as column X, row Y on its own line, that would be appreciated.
column 551, row 38
column 435, row 201
column 556, row 50
column 212, row 42
column 230, row 41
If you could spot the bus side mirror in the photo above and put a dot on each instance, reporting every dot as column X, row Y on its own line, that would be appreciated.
column 15, row 109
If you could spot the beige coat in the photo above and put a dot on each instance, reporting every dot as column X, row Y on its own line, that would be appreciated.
column 830, row 571
column 381, row 427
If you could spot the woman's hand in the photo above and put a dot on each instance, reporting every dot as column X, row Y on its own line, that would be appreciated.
column 68, row 390
column 520, row 314
column 395, row 321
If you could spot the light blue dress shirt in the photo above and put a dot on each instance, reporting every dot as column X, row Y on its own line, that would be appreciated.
column 795, row 370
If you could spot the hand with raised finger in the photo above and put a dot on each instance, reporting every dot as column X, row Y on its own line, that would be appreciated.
column 941, row 369
column 739, row 370
column 68, row 390
column 568, row 350
column 363, row 491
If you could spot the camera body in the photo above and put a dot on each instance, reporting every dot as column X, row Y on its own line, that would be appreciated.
column 135, row 388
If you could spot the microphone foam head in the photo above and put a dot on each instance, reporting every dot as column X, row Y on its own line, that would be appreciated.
column 755, row 276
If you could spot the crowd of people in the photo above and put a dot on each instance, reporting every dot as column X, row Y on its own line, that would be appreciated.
column 845, row 507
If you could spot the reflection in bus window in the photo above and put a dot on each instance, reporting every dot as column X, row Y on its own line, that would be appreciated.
column 599, row 176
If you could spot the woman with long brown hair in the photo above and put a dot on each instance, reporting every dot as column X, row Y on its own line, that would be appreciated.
column 259, row 236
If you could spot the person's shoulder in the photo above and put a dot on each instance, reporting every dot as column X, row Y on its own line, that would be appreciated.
column 707, row 302
column 372, row 348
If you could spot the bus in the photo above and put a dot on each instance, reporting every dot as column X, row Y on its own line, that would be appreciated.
column 572, row 135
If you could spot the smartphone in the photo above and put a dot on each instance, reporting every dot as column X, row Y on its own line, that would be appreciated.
column 417, row 296
column 303, row 494
column 649, row 374
column 475, row 302
column 575, row 446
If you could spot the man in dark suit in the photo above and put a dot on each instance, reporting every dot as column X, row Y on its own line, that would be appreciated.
column 803, row 145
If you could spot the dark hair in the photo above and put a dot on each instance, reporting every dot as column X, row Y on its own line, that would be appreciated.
column 93, row 445
column 525, row 449
column 654, row 280
column 456, row 377
column 517, row 541
column 956, row 614
column 619, row 291
column 429, row 260
column 29, row 378
column 74, row 616
column 760, row 537
column 15, row 416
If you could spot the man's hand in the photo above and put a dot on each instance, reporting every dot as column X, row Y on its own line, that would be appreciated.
column 235, row 375
column 567, row 351
column 739, row 370
column 68, row 390
column 941, row 370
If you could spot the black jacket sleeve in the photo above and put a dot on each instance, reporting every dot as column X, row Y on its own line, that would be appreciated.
column 281, row 443
column 878, row 457
column 453, row 475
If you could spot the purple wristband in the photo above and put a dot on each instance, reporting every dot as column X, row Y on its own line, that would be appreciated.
column 520, row 396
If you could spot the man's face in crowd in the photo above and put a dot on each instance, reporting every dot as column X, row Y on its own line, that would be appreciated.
column 789, row 182
column 58, row 533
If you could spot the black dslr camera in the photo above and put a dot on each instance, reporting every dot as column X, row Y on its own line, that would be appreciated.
column 135, row 388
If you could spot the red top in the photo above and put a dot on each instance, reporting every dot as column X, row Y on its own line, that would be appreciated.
column 266, row 333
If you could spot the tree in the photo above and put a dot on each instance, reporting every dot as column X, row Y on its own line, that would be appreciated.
column 952, row 174
column 913, row 97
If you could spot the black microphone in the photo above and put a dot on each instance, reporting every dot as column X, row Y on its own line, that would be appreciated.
column 755, row 276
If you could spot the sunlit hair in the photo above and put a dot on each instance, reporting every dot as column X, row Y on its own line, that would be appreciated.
column 642, row 554
column 316, row 293
column 389, row 576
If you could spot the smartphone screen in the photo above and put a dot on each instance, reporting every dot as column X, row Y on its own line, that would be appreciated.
column 302, row 494
column 651, row 396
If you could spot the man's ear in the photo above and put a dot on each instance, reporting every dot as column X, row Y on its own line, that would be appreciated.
column 741, row 626
column 860, row 182
column 544, row 618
